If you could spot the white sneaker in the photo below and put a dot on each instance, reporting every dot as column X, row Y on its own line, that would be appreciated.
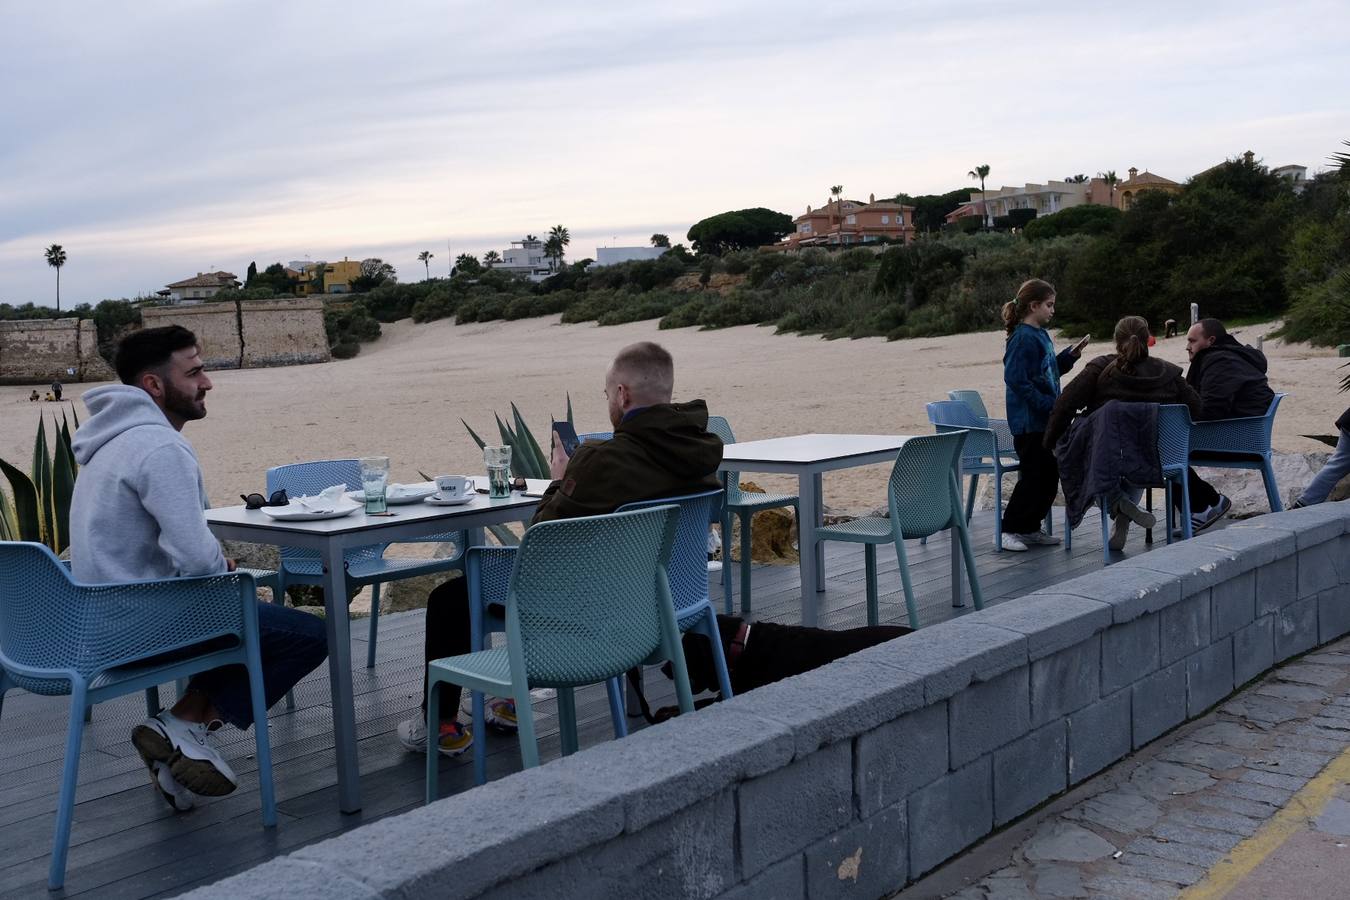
column 412, row 734
column 183, row 748
column 174, row 794
column 1039, row 538
column 1014, row 543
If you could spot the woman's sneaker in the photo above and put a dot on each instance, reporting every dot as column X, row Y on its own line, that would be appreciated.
column 1013, row 543
column 501, row 714
column 455, row 737
column 183, row 747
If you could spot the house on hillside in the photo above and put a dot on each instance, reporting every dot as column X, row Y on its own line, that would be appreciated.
column 525, row 258
column 847, row 222
column 1296, row 175
column 1129, row 190
column 196, row 289
column 327, row 277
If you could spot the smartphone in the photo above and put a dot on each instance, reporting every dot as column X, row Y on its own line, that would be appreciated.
column 1083, row 343
column 566, row 435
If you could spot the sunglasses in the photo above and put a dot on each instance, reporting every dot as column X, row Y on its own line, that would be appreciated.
column 258, row 501
column 517, row 484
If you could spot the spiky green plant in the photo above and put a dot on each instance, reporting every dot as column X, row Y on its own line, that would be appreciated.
column 38, row 505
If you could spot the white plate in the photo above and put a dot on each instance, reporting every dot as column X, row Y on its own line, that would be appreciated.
column 294, row 512
column 405, row 493
column 437, row 500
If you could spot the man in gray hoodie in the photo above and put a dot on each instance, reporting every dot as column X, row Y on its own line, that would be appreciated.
column 138, row 513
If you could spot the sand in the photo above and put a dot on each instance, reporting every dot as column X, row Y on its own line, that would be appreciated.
column 405, row 394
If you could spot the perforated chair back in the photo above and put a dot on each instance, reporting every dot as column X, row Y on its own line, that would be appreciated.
column 1174, row 436
column 923, row 495
column 689, row 559
column 971, row 399
column 309, row 478
column 950, row 415
column 593, row 436
column 719, row 426
column 586, row 595
column 1251, row 434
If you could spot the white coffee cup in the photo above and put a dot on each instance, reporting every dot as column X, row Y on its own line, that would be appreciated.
column 454, row 487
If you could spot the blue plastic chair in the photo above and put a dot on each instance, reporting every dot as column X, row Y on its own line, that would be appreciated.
column 924, row 498
column 1003, row 437
column 97, row 642
column 1174, row 433
column 595, row 436
column 589, row 599
column 981, row 455
column 1239, row 444
column 744, row 505
column 365, row 565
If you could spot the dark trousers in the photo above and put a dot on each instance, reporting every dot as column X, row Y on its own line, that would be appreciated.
column 1037, row 484
column 1200, row 491
column 449, row 632
column 291, row 643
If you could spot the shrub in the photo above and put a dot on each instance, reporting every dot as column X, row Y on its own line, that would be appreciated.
column 1321, row 314
column 684, row 315
column 345, row 350
column 1090, row 218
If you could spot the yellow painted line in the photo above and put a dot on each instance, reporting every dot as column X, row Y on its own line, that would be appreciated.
column 1294, row 817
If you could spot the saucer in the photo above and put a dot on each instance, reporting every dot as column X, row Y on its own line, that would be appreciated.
column 437, row 500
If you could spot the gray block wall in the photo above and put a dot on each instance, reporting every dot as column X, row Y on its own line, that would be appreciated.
column 856, row 778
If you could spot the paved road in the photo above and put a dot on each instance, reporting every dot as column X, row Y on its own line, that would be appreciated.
column 1250, row 801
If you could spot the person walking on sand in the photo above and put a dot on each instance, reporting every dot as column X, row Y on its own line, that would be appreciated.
column 1031, row 371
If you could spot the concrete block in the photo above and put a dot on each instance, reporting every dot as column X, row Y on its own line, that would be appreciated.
column 1130, row 592
column 1333, row 614
column 1232, row 605
column 1185, row 628
column 841, row 700
column 1198, row 566
column 285, row 877
column 868, row 859
column 1209, row 676
column 1099, row 735
column 1030, row 770
column 1296, row 628
column 988, row 715
column 1158, row 703
column 955, row 811
column 1065, row 681
column 1318, row 568
column 1129, row 652
column 788, row 810
column 952, row 655
column 1260, row 546
column 785, row 880
column 691, row 854
column 899, row 757
column 1313, row 524
column 1050, row 620
column 1276, row 585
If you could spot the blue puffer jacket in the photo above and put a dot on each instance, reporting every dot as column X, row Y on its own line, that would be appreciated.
column 1031, row 373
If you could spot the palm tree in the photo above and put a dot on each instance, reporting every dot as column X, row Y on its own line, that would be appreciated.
column 1111, row 181
column 491, row 258
column 56, row 258
column 560, row 237
column 529, row 238
column 425, row 256
column 982, row 172
column 1076, row 179
column 836, row 191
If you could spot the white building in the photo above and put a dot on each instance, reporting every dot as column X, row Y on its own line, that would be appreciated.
column 525, row 258
column 609, row 256
column 1046, row 199
column 1296, row 175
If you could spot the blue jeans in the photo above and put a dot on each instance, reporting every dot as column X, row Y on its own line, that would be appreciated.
column 1336, row 468
column 292, row 644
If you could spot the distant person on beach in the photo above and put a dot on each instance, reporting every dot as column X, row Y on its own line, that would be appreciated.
column 1336, row 468
column 659, row 449
column 1031, row 371
column 137, row 514
column 56, row 389
column 1131, row 375
column 34, row 397
column 1231, row 380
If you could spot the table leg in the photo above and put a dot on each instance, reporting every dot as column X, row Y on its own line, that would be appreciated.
column 340, row 679
column 808, row 517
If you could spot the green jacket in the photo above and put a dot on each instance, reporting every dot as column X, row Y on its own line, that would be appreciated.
column 662, row 451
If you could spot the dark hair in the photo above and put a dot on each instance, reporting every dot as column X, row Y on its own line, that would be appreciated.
column 1033, row 290
column 1212, row 328
column 149, row 348
column 1131, row 343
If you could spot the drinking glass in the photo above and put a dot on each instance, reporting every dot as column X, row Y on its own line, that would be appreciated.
column 498, row 462
column 375, row 481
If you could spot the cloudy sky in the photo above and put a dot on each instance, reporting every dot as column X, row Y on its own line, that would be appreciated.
column 160, row 138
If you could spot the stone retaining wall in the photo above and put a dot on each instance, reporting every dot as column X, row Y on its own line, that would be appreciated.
column 39, row 351
column 862, row 775
column 250, row 333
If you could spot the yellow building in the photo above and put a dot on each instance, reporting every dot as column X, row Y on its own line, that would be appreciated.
column 328, row 277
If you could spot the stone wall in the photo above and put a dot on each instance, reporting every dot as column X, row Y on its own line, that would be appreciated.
column 251, row 333
column 38, row 351
column 862, row 775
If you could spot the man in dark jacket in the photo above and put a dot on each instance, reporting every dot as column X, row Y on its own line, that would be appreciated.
column 659, row 449
column 1231, row 380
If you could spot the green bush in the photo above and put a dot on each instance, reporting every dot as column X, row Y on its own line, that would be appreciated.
column 1321, row 314
column 345, row 350
column 684, row 315
column 1089, row 218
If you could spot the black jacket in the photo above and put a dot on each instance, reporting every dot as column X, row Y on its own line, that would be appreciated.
column 662, row 451
column 1231, row 379
column 1116, row 443
column 1153, row 381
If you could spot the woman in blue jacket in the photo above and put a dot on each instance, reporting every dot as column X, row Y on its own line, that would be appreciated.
column 1031, row 371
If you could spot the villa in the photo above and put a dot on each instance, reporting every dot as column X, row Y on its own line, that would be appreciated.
column 843, row 222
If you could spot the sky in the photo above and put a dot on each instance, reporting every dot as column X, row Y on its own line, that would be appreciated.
column 158, row 139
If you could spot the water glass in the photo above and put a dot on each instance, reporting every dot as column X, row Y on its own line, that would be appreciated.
column 375, row 481
column 498, row 462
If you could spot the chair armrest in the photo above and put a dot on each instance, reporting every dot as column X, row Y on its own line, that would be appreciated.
column 1250, row 434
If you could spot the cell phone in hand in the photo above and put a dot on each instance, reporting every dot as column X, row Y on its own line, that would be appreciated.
column 1083, row 343
column 565, row 435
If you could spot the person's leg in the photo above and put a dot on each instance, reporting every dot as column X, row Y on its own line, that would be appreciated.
column 447, row 634
column 1336, row 468
column 1201, row 492
column 1037, row 484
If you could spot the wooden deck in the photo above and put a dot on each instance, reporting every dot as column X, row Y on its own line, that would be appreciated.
column 127, row 843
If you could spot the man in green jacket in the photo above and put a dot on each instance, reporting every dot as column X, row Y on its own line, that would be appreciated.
column 659, row 449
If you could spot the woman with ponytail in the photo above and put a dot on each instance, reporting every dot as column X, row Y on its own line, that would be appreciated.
column 1132, row 375
column 1031, row 371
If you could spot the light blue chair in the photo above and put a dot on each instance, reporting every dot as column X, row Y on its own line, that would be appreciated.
column 98, row 642
column 924, row 498
column 980, row 455
column 743, row 505
column 1006, row 448
column 1239, row 444
column 1174, row 433
column 595, row 436
column 589, row 599
column 365, row 565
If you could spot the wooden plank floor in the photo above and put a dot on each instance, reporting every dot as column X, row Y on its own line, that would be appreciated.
column 126, row 843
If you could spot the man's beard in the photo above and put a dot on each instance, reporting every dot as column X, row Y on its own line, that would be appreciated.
column 187, row 406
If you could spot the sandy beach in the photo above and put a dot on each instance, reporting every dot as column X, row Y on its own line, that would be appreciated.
column 405, row 394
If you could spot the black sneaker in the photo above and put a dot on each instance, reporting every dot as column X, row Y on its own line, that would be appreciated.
column 1201, row 521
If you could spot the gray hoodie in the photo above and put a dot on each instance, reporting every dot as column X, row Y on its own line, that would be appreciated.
column 137, row 509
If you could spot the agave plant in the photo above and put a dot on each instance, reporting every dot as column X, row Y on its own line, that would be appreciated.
column 38, row 506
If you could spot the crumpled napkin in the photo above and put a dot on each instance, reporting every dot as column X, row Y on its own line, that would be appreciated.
column 327, row 500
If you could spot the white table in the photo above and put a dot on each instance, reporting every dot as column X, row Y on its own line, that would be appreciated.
column 809, row 456
column 330, row 537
